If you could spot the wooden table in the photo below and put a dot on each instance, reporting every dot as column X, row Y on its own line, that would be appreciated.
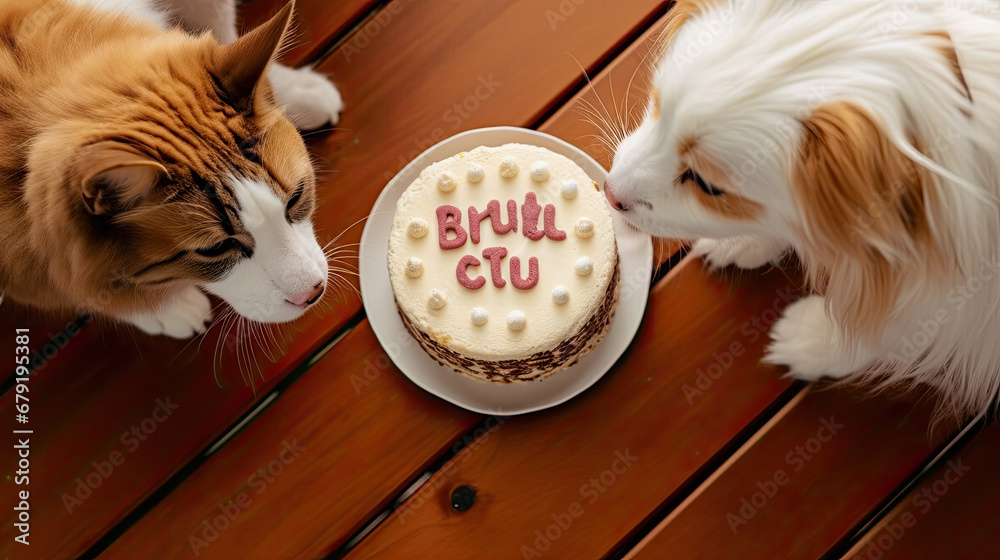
column 689, row 448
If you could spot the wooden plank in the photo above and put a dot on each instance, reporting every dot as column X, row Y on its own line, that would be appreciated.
column 113, row 418
column 45, row 333
column 320, row 22
column 362, row 431
column 952, row 514
column 801, row 484
column 385, row 128
column 575, row 481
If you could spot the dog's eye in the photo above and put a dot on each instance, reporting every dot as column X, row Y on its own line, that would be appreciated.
column 218, row 249
column 707, row 188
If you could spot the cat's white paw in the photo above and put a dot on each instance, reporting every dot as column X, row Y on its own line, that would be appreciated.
column 310, row 99
column 807, row 341
column 743, row 251
column 183, row 316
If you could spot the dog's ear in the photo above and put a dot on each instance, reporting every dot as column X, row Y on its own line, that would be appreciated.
column 864, row 208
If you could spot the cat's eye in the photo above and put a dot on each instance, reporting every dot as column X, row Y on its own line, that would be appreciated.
column 298, row 209
column 294, row 199
column 218, row 249
column 704, row 185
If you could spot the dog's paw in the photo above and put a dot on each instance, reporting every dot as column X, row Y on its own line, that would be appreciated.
column 743, row 251
column 310, row 99
column 183, row 316
column 807, row 341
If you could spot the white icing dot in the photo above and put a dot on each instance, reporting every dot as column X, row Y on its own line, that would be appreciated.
column 480, row 316
column 418, row 227
column 584, row 227
column 474, row 174
column 569, row 189
column 437, row 299
column 560, row 294
column 516, row 320
column 414, row 267
column 584, row 266
column 447, row 182
column 539, row 171
column 508, row 168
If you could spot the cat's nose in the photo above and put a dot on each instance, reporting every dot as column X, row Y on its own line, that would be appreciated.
column 305, row 299
column 614, row 202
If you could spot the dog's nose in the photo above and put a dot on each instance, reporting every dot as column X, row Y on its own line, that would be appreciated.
column 614, row 202
column 305, row 299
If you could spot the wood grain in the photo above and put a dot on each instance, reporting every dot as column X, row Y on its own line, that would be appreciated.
column 395, row 103
column 364, row 432
column 952, row 514
column 576, row 480
column 804, row 481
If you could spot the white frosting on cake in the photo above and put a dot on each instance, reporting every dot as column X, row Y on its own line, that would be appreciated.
column 526, row 321
column 569, row 189
column 437, row 299
column 539, row 171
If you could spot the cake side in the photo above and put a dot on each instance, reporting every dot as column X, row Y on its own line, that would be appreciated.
column 537, row 366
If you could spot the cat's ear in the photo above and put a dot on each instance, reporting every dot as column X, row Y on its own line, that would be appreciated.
column 113, row 177
column 240, row 66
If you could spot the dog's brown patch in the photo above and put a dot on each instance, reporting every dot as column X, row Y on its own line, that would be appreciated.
column 730, row 204
column 864, row 204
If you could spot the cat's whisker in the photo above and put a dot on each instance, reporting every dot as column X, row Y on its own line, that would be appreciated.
column 348, row 228
column 227, row 328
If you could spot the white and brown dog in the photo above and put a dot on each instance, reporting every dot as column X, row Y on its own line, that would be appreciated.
column 864, row 136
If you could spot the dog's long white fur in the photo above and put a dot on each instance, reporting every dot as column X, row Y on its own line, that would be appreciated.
column 743, row 75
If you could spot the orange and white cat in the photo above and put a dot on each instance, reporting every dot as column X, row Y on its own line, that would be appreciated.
column 149, row 155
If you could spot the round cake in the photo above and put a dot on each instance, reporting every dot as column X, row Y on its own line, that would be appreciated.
column 503, row 262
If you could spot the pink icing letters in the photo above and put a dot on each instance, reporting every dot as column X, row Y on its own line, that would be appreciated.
column 495, row 255
column 511, row 215
column 550, row 224
column 515, row 273
column 450, row 218
column 493, row 211
column 530, row 212
column 463, row 273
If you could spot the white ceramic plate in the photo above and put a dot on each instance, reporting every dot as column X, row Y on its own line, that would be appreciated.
column 636, row 257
